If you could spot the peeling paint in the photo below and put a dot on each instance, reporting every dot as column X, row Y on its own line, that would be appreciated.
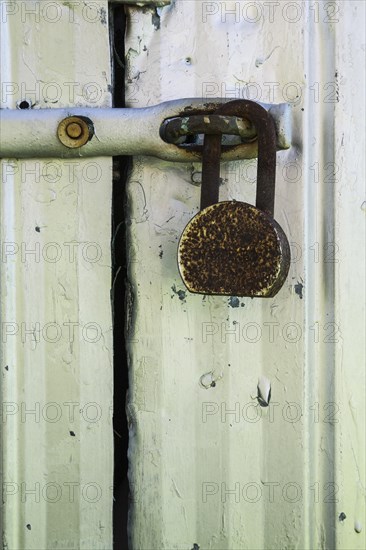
column 155, row 19
column 103, row 16
column 180, row 293
column 234, row 302
column 176, row 490
column 299, row 290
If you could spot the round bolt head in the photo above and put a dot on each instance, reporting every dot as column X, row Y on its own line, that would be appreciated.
column 74, row 131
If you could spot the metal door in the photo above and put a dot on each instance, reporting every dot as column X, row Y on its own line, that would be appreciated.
column 209, row 466
column 56, row 347
column 246, row 416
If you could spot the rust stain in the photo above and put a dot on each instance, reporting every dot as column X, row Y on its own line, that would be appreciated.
column 232, row 248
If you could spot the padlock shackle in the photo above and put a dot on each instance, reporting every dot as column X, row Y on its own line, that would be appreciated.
column 210, row 185
column 266, row 132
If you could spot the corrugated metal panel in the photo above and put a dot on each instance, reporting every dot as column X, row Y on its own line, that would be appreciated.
column 56, row 349
column 208, row 465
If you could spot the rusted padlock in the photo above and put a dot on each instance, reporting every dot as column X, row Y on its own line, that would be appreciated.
column 233, row 248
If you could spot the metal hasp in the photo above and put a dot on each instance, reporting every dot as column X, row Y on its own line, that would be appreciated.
column 32, row 133
column 233, row 248
column 174, row 129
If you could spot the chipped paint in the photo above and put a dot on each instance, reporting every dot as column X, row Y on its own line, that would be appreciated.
column 180, row 293
column 234, row 301
column 264, row 391
column 299, row 287
column 208, row 380
column 155, row 19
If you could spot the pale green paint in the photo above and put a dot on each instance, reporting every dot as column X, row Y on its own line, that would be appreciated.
column 66, row 206
column 178, row 341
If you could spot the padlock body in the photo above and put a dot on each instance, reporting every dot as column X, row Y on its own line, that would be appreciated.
column 233, row 248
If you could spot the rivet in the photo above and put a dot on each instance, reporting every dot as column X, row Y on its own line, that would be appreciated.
column 74, row 130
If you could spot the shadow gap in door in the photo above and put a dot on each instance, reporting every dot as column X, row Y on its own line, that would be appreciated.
column 121, row 166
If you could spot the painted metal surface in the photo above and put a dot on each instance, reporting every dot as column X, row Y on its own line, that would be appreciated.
column 247, row 416
column 56, row 348
column 28, row 133
column 247, row 419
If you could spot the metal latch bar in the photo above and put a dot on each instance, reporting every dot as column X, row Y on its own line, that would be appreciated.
column 134, row 131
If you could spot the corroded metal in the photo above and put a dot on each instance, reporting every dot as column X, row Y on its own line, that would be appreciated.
column 75, row 131
column 210, row 170
column 266, row 172
column 233, row 248
column 173, row 129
